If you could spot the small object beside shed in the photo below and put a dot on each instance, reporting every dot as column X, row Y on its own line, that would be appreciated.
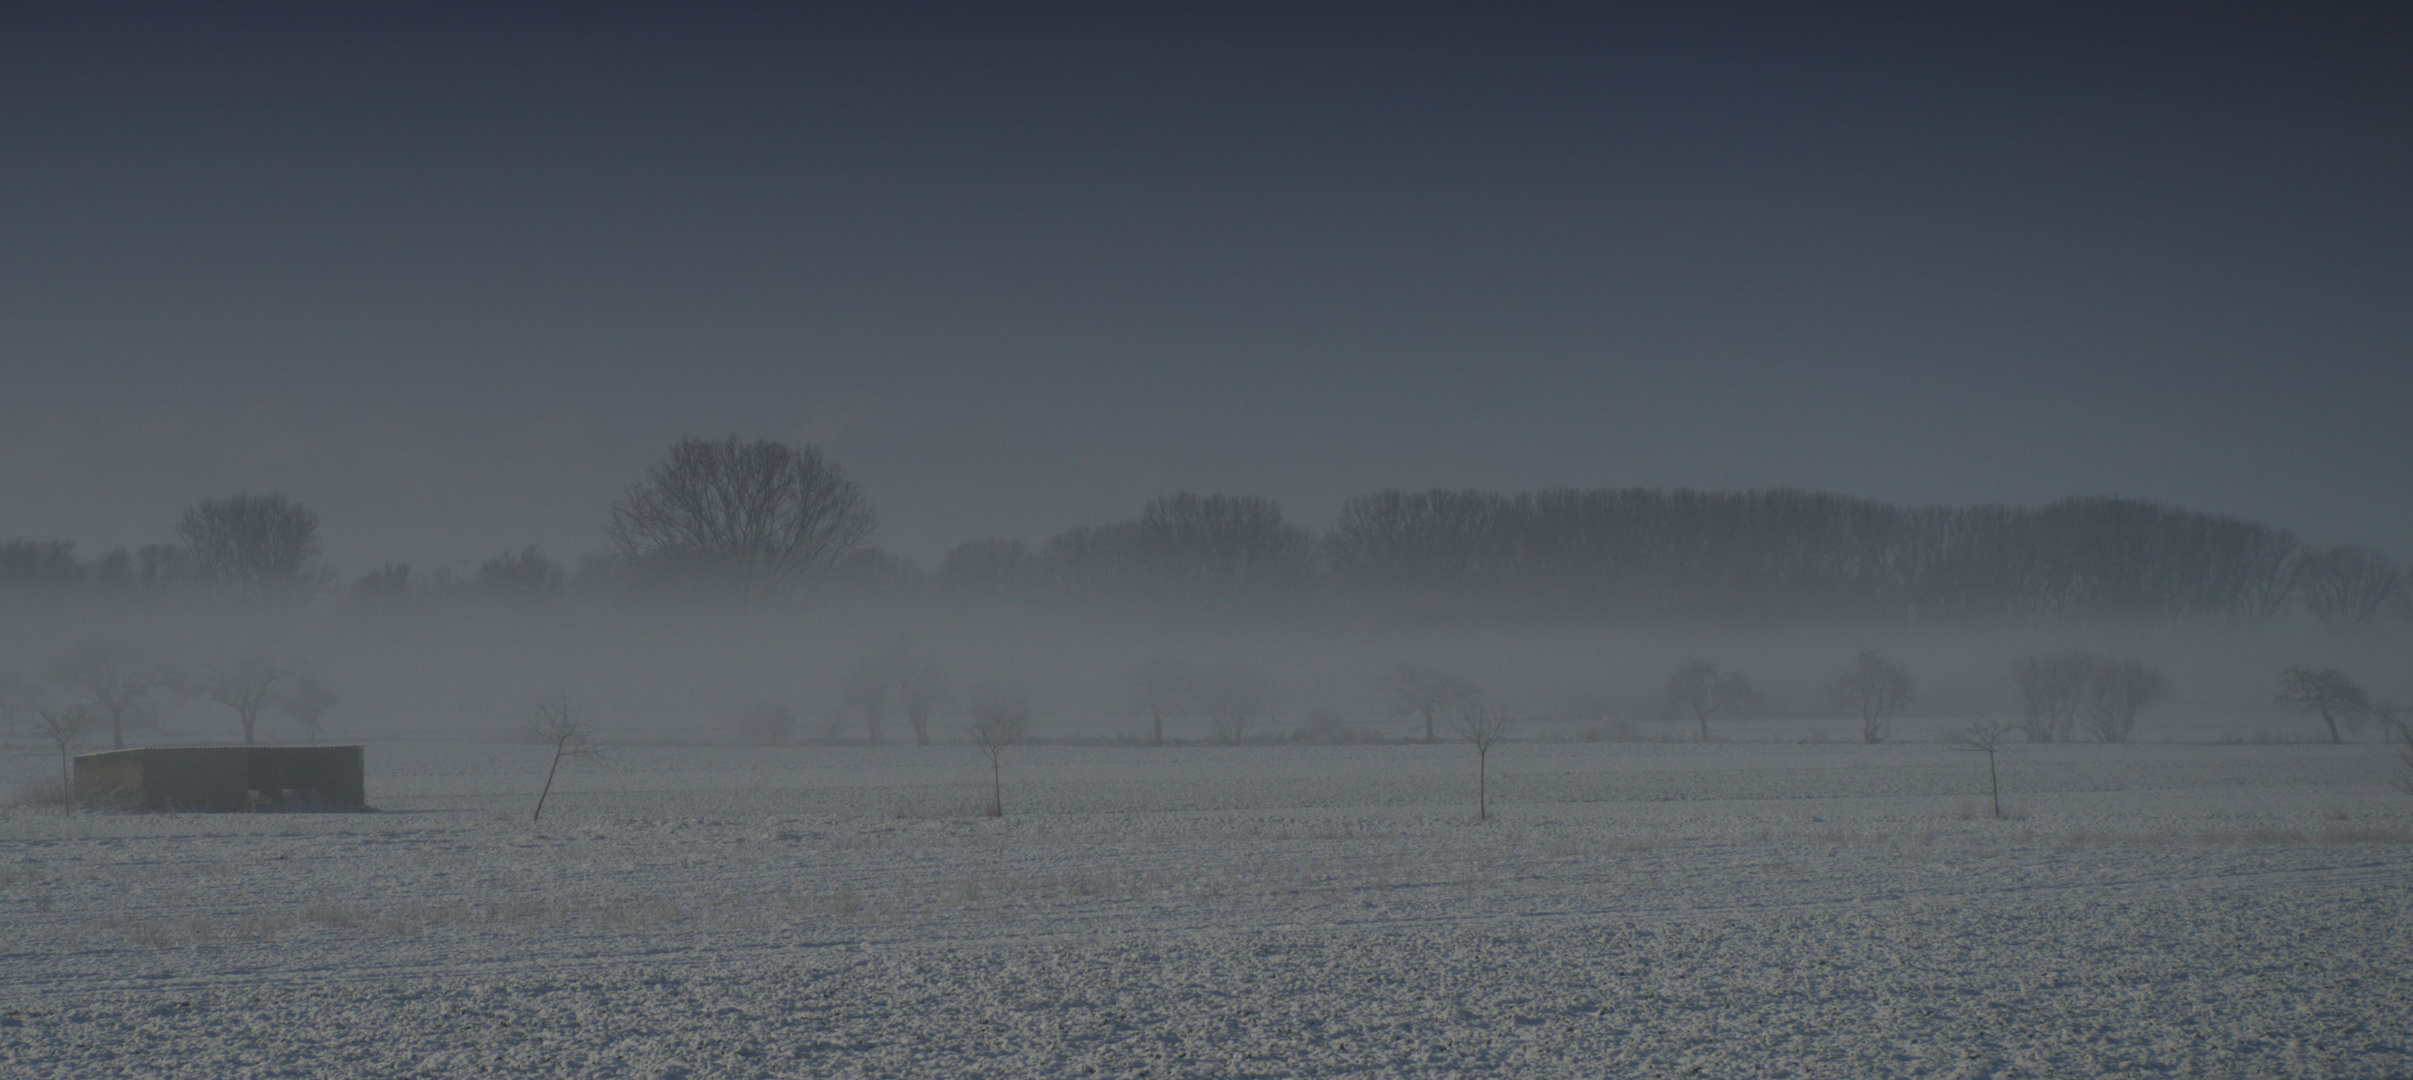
column 226, row 777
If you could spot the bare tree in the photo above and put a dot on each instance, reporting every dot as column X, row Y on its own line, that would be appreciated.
column 114, row 678
column 2347, row 588
column 1233, row 697
column 2052, row 687
column 767, row 724
column 1874, row 688
column 1161, row 687
column 16, row 700
column 1697, row 688
column 1482, row 727
column 921, row 686
column 64, row 728
column 2394, row 722
column 1417, row 690
column 2117, row 691
column 761, row 518
column 2327, row 692
column 246, row 683
column 252, row 543
column 557, row 721
column 865, row 690
column 307, row 703
column 1985, row 736
column 1000, row 717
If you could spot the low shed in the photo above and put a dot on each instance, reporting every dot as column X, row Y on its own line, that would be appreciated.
column 226, row 777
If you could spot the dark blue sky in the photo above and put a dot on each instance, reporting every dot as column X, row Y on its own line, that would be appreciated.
column 455, row 279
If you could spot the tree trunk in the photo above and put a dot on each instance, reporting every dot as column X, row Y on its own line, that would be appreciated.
column 250, row 720
column 2332, row 722
column 1994, row 784
column 996, row 791
column 117, row 729
column 1482, row 782
column 540, row 796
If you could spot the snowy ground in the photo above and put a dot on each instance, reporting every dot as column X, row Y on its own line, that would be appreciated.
column 1630, row 910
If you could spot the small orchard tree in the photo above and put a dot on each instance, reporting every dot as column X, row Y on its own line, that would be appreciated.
column 865, row 691
column 246, row 683
column 2116, row 692
column 921, row 687
column 2052, row 688
column 1000, row 717
column 64, row 728
column 1873, row 688
column 1161, row 688
column 2326, row 692
column 1417, row 690
column 1233, row 697
column 307, row 704
column 558, row 721
column 1698, row 689
column 767, row 724
column 113, row 678
column 1986, row 737
column 1482, row 727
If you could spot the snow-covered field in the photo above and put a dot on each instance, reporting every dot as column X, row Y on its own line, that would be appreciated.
column 1629, row 910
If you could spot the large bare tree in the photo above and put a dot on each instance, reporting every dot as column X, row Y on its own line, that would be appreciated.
column 1873, row 688
column 112, row 677
column 759, row 518
column 251, row 543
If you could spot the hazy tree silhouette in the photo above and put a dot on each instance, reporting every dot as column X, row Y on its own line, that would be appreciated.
column 113, row 677
column 1873, row 688
column 253, row 543
column 2325, row 692
column 758, row 519
column 1417, row 690
column 2052, row 687
column 1233, row 697
column 1700, row 690
column 2116, row 691
column 246, row 683
column 307, row 703
column 64, row 728
column 1161, row 688
column 2348, row 588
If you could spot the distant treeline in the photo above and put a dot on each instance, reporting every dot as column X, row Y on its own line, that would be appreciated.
column 1657, row 552
column 1609, row 553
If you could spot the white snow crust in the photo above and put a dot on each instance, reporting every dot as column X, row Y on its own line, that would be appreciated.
column 1720, row 910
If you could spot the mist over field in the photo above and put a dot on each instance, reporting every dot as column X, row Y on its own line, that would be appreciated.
column 1835, row 540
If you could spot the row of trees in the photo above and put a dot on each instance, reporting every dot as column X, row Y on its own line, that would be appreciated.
column 762, row 521
column 1661, row 552
column 106, row 684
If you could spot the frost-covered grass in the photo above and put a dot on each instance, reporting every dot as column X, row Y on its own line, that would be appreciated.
column 1631, row 909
